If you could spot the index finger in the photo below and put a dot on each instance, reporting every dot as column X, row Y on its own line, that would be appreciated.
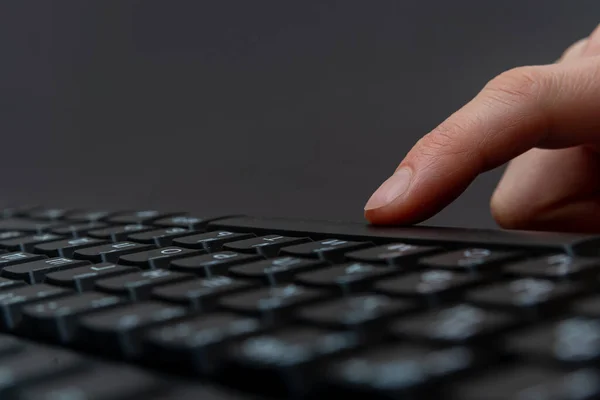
column 551, row 106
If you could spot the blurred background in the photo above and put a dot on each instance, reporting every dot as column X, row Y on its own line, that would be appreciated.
column 274, row 108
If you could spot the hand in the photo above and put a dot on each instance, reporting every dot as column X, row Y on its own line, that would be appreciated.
column 548, row 117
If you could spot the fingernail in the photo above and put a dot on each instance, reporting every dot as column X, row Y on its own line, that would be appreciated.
column 391, row 189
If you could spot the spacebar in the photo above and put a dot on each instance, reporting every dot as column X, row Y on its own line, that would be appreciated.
column 572, row 243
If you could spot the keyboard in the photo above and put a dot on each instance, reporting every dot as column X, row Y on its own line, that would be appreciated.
column 156, row 305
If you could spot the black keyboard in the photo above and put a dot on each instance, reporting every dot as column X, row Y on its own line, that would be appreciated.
column 166, row 305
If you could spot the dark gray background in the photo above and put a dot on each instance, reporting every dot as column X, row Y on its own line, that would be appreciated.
column 263, row 107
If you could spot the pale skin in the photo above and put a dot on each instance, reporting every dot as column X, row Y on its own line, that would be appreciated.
column 544, row 119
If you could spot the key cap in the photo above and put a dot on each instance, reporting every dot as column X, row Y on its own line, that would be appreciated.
column 18, row 257
column 346, row 277
column 140, row 217
column 36, row 271
column 28, row 225
column 567, row 341
column 209, row 265
column 56, row 320
column 457, row 324
column 330, row 249
column 66, row 248
column 267, row 246
column 587, row 306
column 159, row 258
column 28, row 243
column 556, row 266
column 84, row 278
column 201, row 294
column 110, row 382
column 200, row 392
column 88, row 216
column 138, row 285
column 11, row 235
column 399, row 371
column 528, row 295
column 288, row 359
column 211, row 241
column 571, row 243
column 275, row 270
column 110, row 252
column 51, row 214
column 9, row 283
column 354, row 312
column 431, row 287
column 526, row 382
column 198, row 343
column 159, row 237
column 118, row 233
column 78, row 230
column 469, row 260
column 396, row 253
column 271, row 302
column 12, row 301
column 183, row 221
column 119, row 330
column 33, row 365
column 17, row 211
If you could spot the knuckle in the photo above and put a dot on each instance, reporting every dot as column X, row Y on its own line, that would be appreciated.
column 517, row 85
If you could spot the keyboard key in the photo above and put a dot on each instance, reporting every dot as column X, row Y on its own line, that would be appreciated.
column 119, row 233
column 267, row 246
column 17, row 211
column 51, row 214
column 159, row 258
column 569, row 341
column 346, row 277
column 458, row 324
column 36, row 271
column 78, row 230
column 56, row 320
column 9, row 283
column 11, row 235
column 110, row 252
column 288, row 359
column 100, row 383
column 139, row 217
column 12, row 301
column 211, row 241
column 84, row 278
column 200, row 294
column 329, row 249
column 183, row 221
column 159, row 237
column 354, row 312
column 200, row 392
column 399, row 371
column 209, row 265
column 119, row 330
column 431, row 287
column 570, row 243
column 469, row 260
column 271, row 302
column 10, row 344
column 138, row 285
column 18, row 257
column 527, row 382
column 587, row 306
column 530, row 295
column 396, row 253
column 28, row 225
column 88, row 216
column 557, row 266
column 275, row 270
column 66, row 248
column 28, row 243
column 197, row 343
column 36, row 364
